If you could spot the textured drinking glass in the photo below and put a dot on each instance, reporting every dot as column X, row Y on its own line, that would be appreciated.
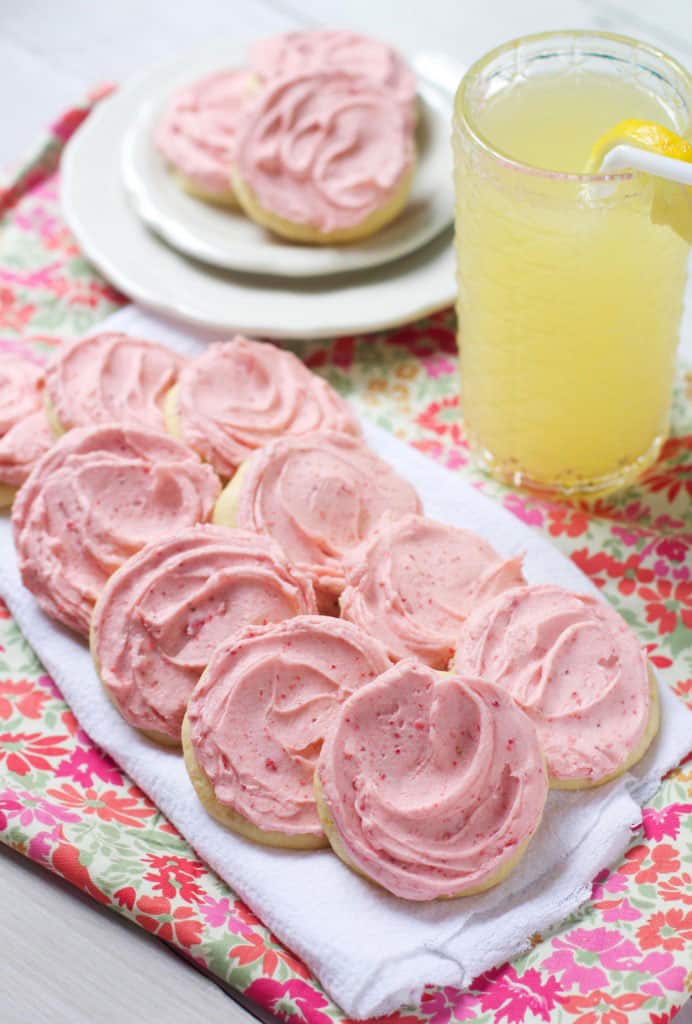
column 570, row 286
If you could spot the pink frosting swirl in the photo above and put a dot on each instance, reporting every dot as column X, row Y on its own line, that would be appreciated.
column 324, row 149
column 21, row 390
column 162, row 615
column 320, row 495
column 433, row 781
column 259, row 713
column 576, row 669
column 197, row 131
column 295, row 53
column 99, row 495
column 22, row 446
column 111, row 378
column 241, row 394
column 416, row 580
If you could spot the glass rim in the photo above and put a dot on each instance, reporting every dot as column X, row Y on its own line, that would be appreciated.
column 461, row 110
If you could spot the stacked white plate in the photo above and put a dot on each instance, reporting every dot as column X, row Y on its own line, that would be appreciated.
column 215, row 268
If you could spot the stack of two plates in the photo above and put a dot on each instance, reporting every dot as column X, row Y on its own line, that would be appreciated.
column 213, row 267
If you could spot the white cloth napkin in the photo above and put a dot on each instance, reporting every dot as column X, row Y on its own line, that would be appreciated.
column 371, row 951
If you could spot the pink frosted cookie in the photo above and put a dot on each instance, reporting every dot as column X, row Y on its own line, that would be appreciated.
column 110, row 378
column 430, row 784
column 99, row 495
column 294, row 53
column 21, row 390
column 163, row 613
column 256, row 720
column 21, row 448
column 23, row 427
column 241, row 394
column 197, row 132
column 324, row 157
column 577, row 670
column 319, row 495
column 416, row 580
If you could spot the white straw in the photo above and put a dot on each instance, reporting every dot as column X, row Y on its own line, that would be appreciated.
column 631, row 158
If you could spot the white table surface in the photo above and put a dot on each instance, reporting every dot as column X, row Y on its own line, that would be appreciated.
column 51, row 54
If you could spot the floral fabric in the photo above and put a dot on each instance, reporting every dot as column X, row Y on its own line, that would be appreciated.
column 625, row 957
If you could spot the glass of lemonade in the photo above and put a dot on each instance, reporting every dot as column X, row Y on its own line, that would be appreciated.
column 569, row 293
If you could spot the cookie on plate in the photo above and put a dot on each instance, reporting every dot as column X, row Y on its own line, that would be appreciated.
column 324, row 157
column 110, row 378
column 241, row 394
column 319, row 496
column 577, row 670
column 163, row 613
column 430, row 784
column 415, row 581
column 256, row 720
column 98, row 496
column 293, row 53
column 196, row 133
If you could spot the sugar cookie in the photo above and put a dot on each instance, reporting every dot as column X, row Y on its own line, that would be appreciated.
column 324, row 158
column 319, row 496
column 241, row 394
column 256, row 720
column 99, row 495
column 577, row 670
column 430, row 784
column 197, row 131
column 163, row 613
column 110, row 378
column 21, row 399
column 293, row 53
column 414, row 582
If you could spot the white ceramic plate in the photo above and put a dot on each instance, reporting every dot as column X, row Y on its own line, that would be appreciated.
column 228, row 239
column 146, row 269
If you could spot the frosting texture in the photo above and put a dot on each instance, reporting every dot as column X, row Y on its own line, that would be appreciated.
column 414, row 582
column 324, row 149
column 241, row 394
column 111, row 378
column 22, row 446
column 259, row 714
column 99, row 495
column 320, row 495
column 294, row 53
column 197, row 131
column 573, row 665
column 432, row 781
column 21, row 390
column 162, row 615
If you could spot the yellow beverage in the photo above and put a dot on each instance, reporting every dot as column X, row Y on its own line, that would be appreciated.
column 569, row 295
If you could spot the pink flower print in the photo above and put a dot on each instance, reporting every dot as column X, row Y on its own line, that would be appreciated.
column 618, row 910
column 672, row 548
column 437, row 366
column 41, row 845
column 86, row 762
column 574, row 957
column 665, row 974
column 666, row 822
column 512, row 996
column 293, row 1001
column 661, row 568
column 626, row 536
column 456, row 459
column 444, row 1003
column 25, row 808
column 522, row 509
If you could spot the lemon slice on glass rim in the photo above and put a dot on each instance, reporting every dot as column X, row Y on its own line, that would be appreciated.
column 672, row 202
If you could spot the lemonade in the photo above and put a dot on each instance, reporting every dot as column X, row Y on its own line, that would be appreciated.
column 570, row 296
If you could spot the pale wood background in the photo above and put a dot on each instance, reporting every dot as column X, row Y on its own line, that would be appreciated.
column 64, row 960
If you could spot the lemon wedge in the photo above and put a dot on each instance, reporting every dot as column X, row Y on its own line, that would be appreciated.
column 672, row 203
